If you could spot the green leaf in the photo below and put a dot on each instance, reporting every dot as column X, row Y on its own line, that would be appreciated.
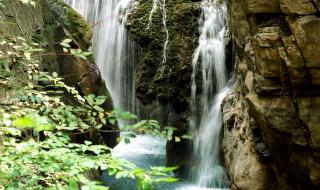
column 99, row 101
column 67, row 40
column 127, row 140
column 122, row 174
column 27, row 55
column 89, row 99
column 89, row 164
column 103, row 121
column 144, row 185
column 165, row 169
column 98, row 108
column 65, row 43
column 13, row 131
column 186, row 137
column 40, row 128
column 23, row 122
column 167, row 180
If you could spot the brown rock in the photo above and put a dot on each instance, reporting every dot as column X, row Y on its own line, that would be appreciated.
column 309, row 113
column 249, row 81
column 266, row 54
column 268, row 61
column 240, row 26
column 262, row 6
column 315, row 76
column 245, row 169
column 279, row 114
column 317, row 4
column 307, row 32
column 300, row 7
column 277, row 57
column 268, row 39
column 293, row 60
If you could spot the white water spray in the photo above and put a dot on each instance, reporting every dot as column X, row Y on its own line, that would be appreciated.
column 165, row 28
column 163, row 7
column 210, row 58
column 115, row 55
column 153, row 10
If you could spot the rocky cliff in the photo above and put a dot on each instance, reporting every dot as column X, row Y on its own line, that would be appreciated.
column 48, row 23
column 272, row 130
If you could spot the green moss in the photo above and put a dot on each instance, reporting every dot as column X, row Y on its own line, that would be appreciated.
column 182, row 23
column 73, row 22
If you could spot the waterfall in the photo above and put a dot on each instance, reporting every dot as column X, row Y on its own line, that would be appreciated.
column 206, row 119
column 163, row 7
column 153, row 10
column 165, row 28
column 115, row 55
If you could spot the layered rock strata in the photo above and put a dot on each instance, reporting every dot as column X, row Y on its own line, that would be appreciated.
column 272, row 129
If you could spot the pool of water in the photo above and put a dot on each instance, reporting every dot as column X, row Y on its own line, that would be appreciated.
column 145, row 151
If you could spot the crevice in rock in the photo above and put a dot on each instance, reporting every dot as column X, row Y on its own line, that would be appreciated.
column 316, row 7
column 309, row 80
column 292, row 95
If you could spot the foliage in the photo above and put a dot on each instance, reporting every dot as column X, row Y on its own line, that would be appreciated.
column 76, row 52
column 36, row 151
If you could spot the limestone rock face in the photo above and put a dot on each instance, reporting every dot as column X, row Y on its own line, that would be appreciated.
column 271, row 121
column 48, row 23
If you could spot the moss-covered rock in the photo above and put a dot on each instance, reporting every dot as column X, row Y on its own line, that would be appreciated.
column 169, row 82
column 73, row 22
column 60, row 22
column 153, row 76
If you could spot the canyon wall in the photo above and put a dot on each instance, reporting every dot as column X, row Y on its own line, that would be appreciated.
column 271, row 121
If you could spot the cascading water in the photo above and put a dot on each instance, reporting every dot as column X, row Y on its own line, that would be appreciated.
column 206, row 126
column 164, row 21
column 115, row 55
column 153, row 10
column 163, row 7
